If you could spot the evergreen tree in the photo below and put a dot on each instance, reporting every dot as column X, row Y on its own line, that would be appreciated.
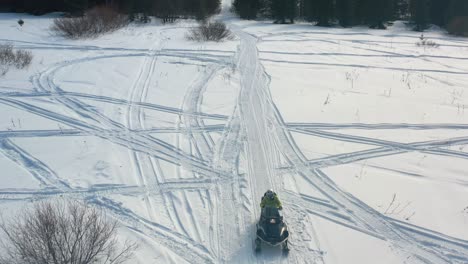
column 76, row 6
column 380, row 11
column 438, row 11
column 362, row 11
column 291, row 10
column 278, row 10
column 457, row 17
column 321, row 11
column 420, row 13
column 346, row 12
column 201, row 12
column 452, row 14
column 456, row 8
column 401, row 9
column 167, row 9
column 283, row 9
column 245, row 9
column 33, row 6
column 211, row 6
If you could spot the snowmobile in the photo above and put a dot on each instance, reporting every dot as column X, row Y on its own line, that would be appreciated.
column 271, row 230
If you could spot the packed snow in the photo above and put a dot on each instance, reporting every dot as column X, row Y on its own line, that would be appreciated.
column 361, row 132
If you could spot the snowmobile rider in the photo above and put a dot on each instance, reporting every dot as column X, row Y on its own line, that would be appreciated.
column 270, row 199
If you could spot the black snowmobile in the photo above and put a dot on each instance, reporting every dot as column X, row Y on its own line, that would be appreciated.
column 271, row 229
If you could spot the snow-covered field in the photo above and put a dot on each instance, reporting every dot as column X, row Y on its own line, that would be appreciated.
column 362, row 133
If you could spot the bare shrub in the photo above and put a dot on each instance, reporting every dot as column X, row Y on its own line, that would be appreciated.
column 424, row 42
column 94, row 22
column 23, row 58
column 7, row 54
column 62, row 233
column 210, row 31
column 11, row 58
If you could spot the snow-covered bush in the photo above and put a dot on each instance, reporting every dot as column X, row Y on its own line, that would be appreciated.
column 9, row 57
column 62, row 232
column 210, row 31
column 94, row 22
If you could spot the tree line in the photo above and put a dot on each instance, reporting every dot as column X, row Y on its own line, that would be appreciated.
column 161, row 8
column 450, row 14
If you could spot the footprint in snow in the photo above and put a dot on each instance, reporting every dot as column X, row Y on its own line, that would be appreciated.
column 101, row 169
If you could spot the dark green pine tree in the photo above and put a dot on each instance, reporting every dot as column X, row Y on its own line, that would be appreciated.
column 346, row 12
column 457, row 17
column 202, row 13
column 134, row 7
column 247, row 9
column 374, row 12
column 211, row 6
column 165, row 9
column 438, row 11
column 321, row 11
column 362, row 11
column 457, row 8
column 291, row 10
column 76, row 6
column 380, row 11
column 32, row 6
column 277, row 9
column 127, row 6
column 420, row 13
column 401, row 9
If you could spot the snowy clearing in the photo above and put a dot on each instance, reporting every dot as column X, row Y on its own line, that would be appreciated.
column 361, row 132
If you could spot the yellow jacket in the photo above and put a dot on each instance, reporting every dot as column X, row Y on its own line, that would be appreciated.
column 275, row 202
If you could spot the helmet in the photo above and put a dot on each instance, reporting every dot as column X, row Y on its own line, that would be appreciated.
column 270, row 194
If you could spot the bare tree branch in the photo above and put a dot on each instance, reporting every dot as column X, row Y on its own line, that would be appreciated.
column 63, row 233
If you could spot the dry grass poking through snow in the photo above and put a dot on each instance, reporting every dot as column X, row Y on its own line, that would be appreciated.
column 94, row 22
column 424, row 42
column 211, row 31
column 9, row 57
